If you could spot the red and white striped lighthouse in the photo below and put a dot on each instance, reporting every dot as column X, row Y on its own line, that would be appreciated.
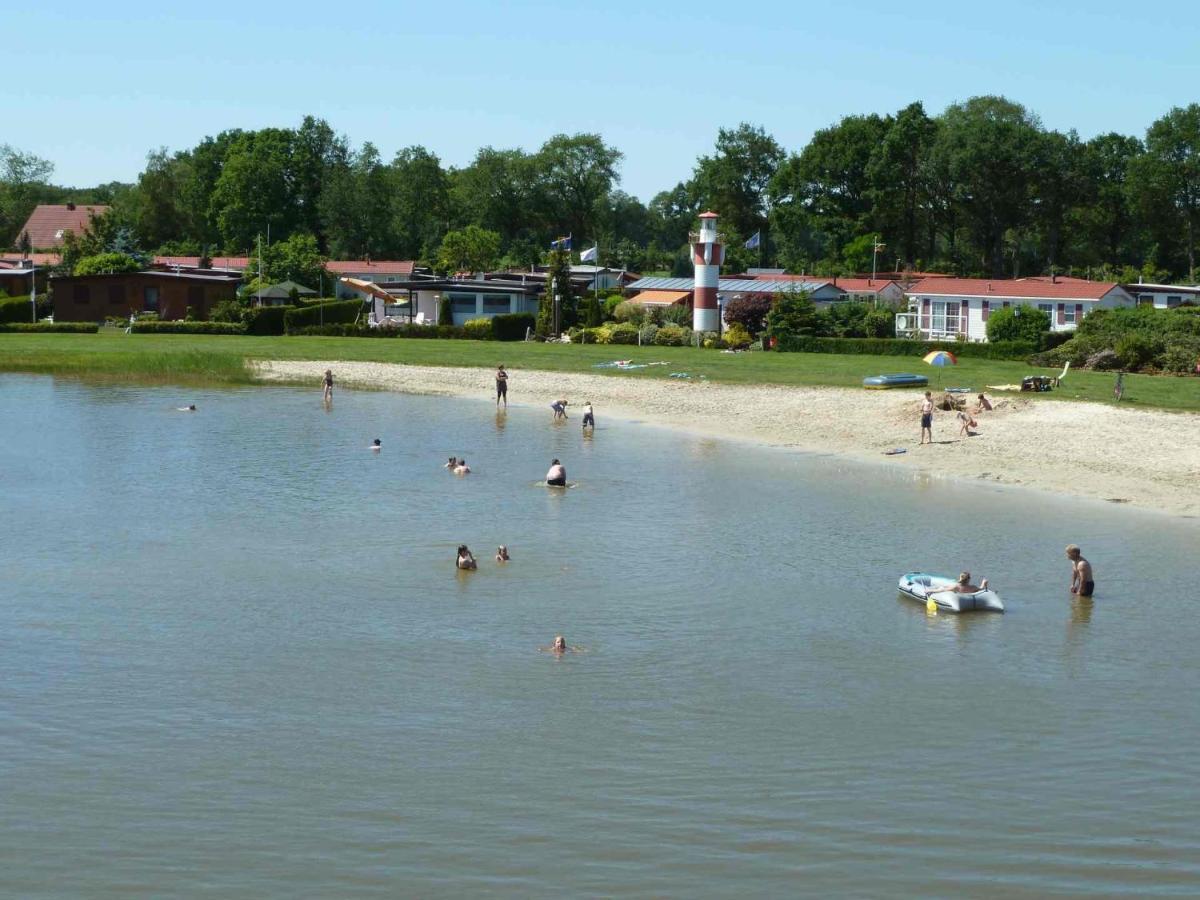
column 707, row 256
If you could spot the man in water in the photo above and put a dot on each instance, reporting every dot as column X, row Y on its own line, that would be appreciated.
column 451, row 463
column 328, row 385
column 501, row 386
column 589, row 419
column 502, row 554
column 557, row 476
column 462, row 468
column 465, row 560
column 927, row 417
column 1082, row 581
column 191, row 407
column 377, row 444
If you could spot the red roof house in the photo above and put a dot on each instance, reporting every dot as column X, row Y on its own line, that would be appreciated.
column 47, row 224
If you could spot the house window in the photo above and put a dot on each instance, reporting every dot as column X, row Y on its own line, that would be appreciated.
column 463, row 304
column 494, row 306
column 1145, row 299
column 150, row 299
column 82, row 293
column 944, row 317
column 116, row 295
column 1069, row 314
column 1048, row 309
column 1173, row 302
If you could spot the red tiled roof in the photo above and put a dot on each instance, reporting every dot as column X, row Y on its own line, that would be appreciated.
column 849, row 284
column 373, row 266
column 998, row 287
column 14, row 260
column 47, row 224
column 193, row 262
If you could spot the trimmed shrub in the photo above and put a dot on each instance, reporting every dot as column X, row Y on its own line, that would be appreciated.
column 648, row 333
column 265, row 320
column 14, row 309
column 1006, row 325
column 512, row 326
column 338, row 312
column 749, row 312
column 737, row 337
column 673, row 336
column 599, row 335
column 186, row 327
column 622, row 333
column 478, row 329
column 903, row 347
column 793, row 316
column 446, row 311
column 53, row 327
column 630, row 311
column 227, row 311
column 396, row 331
column 611, row 304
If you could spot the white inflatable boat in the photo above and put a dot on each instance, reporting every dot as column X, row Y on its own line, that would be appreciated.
column 940, row 589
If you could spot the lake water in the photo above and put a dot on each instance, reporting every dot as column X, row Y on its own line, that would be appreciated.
column 236, row 660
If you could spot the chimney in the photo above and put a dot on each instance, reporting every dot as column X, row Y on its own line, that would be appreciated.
column 989, row 287
column 71, row 206
column 1053, row 277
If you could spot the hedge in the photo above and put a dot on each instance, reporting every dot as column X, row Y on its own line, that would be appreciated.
column 60, row 327
column 901, row 347
column 400, row 331
column 478, row 329
column 186, row 327
column 14, row 309
column 265, row 320
column 336, row 313
column 512, row 326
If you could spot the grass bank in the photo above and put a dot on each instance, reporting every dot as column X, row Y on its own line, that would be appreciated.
column 222, row 359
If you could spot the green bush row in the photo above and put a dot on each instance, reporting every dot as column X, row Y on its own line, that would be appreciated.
column 14, row 309
column 1136, row 339
column 266, row 320
column 512, row 326
column 339, row 312
column 903, row 347
column 186, row 327
column 401, row 331
column 60, row 327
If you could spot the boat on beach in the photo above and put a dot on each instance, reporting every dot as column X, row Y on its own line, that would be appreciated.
column 896, row 380
column 939, row 589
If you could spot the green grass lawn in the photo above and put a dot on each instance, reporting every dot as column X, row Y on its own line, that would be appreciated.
column 221, row 359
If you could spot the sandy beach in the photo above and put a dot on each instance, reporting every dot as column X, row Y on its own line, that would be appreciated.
column 1143, row 458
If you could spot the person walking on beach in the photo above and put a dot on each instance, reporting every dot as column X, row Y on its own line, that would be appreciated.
column 589, row 418
column 1083, row 583
column 557, row 476
column 465, row 560
column 501, row 386
column 328, row 385
column 927, row 417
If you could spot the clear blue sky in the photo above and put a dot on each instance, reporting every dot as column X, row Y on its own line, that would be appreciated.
column 94, row 87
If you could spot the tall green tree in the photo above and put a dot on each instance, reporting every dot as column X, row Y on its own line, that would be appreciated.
column 734, row 180
column 1166, row 180
column 899, row 191
column 420, row 195
column 255, row 191
column 21, row 176
column 495, row 192
column 986, row 153
column 471, row 249
column 1105, row 222
column 356, row 208
column 574, row 174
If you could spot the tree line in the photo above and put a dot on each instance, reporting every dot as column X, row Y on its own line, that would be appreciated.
column 981, row 189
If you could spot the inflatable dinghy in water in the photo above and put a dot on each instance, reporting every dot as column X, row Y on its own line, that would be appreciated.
column 940, row 589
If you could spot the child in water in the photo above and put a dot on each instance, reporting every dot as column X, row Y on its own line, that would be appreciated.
column 465, row 560
column 560, row 409
column 589, row 419
column 502, row 554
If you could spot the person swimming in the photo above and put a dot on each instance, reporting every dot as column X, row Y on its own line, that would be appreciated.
column 190, row 408
column 558, row 647
column 451, row 463
column 465, row 560
column 557, row 476
column 377, row 444
column 462, row 468
column 502, row 554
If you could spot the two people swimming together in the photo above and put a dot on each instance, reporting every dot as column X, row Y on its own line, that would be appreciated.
column 466, row 560
column 457, row 466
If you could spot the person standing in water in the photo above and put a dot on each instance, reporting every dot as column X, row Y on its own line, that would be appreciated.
column 377, row 444
column 1083, row 582
column 501, row 386
column 589, row 418
column 328, row 385
column 465, row 560
column 462, row 468
column 927, row 417
column 557, row 476
column 502, row 554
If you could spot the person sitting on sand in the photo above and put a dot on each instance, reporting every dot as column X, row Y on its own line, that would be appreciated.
column 589, row 418
column 451, row 463
column 557, row 476
column 502, row 554
column 465, row 559
column 462, row 468
column 983, row 404
column 560, row 409
column 377, row 444
column 964, row 586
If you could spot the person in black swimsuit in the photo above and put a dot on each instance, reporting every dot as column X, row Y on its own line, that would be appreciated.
column 1083, row 583
column 557, row 476
column 501, row 386
column 328, row 385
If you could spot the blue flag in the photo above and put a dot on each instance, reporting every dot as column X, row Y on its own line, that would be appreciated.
column 753, row 242
column 563, row 243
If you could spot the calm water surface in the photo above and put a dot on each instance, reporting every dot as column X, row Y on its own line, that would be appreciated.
column 236, row 660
